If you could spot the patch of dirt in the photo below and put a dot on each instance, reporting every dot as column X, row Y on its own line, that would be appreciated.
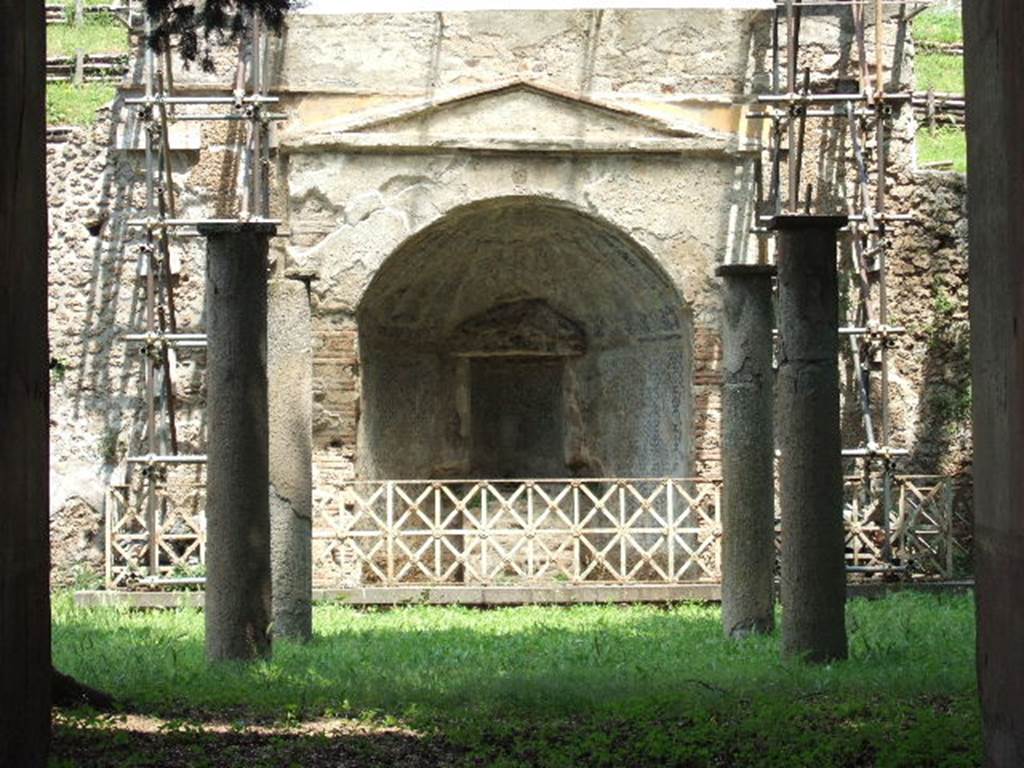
column 142, row 741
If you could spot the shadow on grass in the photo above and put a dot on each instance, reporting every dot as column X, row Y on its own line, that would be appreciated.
column 595, row 685
column 81, row 739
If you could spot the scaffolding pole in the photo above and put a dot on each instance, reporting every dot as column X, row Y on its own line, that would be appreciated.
column 865, row 113
column 160, row 338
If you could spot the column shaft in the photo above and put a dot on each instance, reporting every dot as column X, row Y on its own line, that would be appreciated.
column 810, row 468
column 290, row 382
column 238, row 581
column 748, row 451
column 995, row 123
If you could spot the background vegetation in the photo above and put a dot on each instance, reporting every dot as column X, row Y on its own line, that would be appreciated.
column 67, row 104
column 942, row 72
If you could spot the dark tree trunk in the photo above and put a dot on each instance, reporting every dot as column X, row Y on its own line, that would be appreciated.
column 995, row 152
column 68, row 692
column 24, row 530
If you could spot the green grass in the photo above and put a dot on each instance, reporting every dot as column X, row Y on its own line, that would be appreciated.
column 65, row 103
column 940, row 72
column 946, row 144
column 939, row 26
column 611, row 686
column 943, row 73
column 68, row 104
column 99, row 34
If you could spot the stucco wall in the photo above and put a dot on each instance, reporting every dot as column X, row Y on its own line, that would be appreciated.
column 677, row 210
column 398, row 121
column 656, row 53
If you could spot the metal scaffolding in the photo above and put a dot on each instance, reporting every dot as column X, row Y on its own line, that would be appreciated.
column 862, row 115
column 159, row 108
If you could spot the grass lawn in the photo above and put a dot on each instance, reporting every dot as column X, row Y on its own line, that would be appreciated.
column 68, row 104
column 945, row 144
column 940, row 72
column 532, row 686
column 943, row 73
column 937, row 25
column 99, row 34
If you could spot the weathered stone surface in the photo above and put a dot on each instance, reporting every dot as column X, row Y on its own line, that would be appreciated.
column 76, row 546
column 238, row 574
column 810, row 467
column 525, row 328
column 930, row 382
column 366, row 206
column 520, row 116
column 748, row 451
column 290, row 393
column 640, row 51
column 485, row 106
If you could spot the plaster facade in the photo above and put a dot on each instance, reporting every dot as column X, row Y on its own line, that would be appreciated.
column 522, row 208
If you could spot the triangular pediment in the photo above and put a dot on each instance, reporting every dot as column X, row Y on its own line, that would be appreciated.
column 511, row 116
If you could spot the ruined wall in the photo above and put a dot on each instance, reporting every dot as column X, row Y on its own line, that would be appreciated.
column 347, row 208
column 94, row 384
column 683, row 229
column 928, row 294
column 666, row 55
column 98, row 416
column 375, row 151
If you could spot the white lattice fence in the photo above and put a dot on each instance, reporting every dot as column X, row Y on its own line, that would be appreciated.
column 177, row 534
column 495, row 532
column 928, row 531
column 483, row 532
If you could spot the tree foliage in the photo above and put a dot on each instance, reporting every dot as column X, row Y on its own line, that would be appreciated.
column 197, row 25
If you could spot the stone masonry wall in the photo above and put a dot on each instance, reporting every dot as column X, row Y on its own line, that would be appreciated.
column 98, row 411
column 96, row 184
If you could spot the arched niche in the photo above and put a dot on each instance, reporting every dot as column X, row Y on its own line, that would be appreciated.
column 522, row 337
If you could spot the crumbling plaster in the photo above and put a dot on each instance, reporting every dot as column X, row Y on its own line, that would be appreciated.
column 631, row 377
column 622, row 51
column 679, row 78
column 353, row 211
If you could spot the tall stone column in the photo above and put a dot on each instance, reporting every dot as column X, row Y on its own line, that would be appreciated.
column 290, row 387
column 995, row 155
column 748, row 451
column 238, row 581
column 810, row 468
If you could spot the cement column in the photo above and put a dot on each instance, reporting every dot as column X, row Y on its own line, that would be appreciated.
column 810, row 468
column 290, row 387
column 994, row 67
column 238, row 581
column 748, row 451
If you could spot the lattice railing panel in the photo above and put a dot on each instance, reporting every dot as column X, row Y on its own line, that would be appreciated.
column 925, row 536
column 534, row 531
column 928, row 532
column 574, row 531
column 178, row 536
